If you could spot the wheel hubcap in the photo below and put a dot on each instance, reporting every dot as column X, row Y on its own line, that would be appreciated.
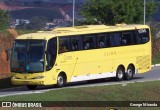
column 120, row 74
column 129, row 73
column 60, row 80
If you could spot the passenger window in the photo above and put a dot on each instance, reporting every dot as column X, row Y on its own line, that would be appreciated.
column 138, row 38
column 76, row 43
column 142, row 36
column 115, row 39
column 89, row 42
column 52, row 53
column 127, row 38
column 108, row 44
column 101, row 41
column 64, row 44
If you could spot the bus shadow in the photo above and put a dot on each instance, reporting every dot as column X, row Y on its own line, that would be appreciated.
column 137, row 78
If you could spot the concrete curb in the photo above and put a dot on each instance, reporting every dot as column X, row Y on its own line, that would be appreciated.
column 155, row 65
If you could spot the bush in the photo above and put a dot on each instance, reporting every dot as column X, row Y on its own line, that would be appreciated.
column 4, row 19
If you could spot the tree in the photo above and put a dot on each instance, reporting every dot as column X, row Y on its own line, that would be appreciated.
column 4, row 19
column 22, row 25
column 37, row 23
column 116, row 11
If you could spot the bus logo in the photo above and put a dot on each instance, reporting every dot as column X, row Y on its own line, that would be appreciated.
column 6, row 104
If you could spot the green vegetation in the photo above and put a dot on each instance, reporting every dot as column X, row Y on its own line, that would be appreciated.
column 116, row 11
column 3, row 30
column 4, row 20
column 20, row 32
column 156, row 59
column 36, row 23
column 142, row 91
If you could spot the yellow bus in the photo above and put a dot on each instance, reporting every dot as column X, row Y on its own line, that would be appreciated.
column 80, row 53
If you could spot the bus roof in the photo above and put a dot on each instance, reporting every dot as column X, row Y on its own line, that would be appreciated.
column 79, row 30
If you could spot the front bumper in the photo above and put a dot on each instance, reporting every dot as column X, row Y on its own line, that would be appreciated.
column 27, row 82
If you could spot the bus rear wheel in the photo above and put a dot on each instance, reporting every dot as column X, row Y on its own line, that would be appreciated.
column 120, row 74
column 130, row 73
column 61, row 80
column 31, row 87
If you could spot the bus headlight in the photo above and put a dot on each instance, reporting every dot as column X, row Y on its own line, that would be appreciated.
column 14, row 77
column 39, row 77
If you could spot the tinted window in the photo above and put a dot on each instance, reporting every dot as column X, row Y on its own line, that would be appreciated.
column 64, row 44
column 52, row 53
column 107, row 39
column 115, row 39
column 100, row 41
column 76, row 43
column 89, row 42
column 142, row 36
column 52, row 46
column 28, row 56
column 127, row 38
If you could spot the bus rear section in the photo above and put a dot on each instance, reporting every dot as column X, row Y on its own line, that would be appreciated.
column 122, row 54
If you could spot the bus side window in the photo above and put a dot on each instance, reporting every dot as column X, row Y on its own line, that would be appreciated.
column 115, row 39
column 89, row 42
column 101, row 41
column 142, row 36
column 64, row 44
column 138, row 38
column 76, row 43
column 52, row 53
column 127, row 38
column 145, row 36
column 107, row 39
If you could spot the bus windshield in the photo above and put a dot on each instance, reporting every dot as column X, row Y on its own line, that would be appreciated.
column 28, row 56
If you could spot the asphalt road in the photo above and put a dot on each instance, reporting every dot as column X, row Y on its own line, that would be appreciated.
column 154, row 74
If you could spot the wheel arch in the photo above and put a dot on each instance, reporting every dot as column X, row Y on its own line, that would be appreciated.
column 63, row 74
column 121, row 66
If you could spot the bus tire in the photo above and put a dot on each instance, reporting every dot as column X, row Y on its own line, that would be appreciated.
column 61, row 80
column 130, row 72
column 31, row 87
column 120, row 73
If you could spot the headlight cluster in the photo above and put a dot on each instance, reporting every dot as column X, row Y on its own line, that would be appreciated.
column 13, row 77
column 38, row 77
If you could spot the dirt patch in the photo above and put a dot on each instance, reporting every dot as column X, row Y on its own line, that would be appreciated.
column 156, row 47
column 6, row 42
column 4, row 55
column 12, row 32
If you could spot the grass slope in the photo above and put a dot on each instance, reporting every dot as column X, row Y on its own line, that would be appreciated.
column 146, row 91
column 141, row 91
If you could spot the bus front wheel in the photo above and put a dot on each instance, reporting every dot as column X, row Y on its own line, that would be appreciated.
column 61, row 80
column 32, row 87
column 119, row 73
